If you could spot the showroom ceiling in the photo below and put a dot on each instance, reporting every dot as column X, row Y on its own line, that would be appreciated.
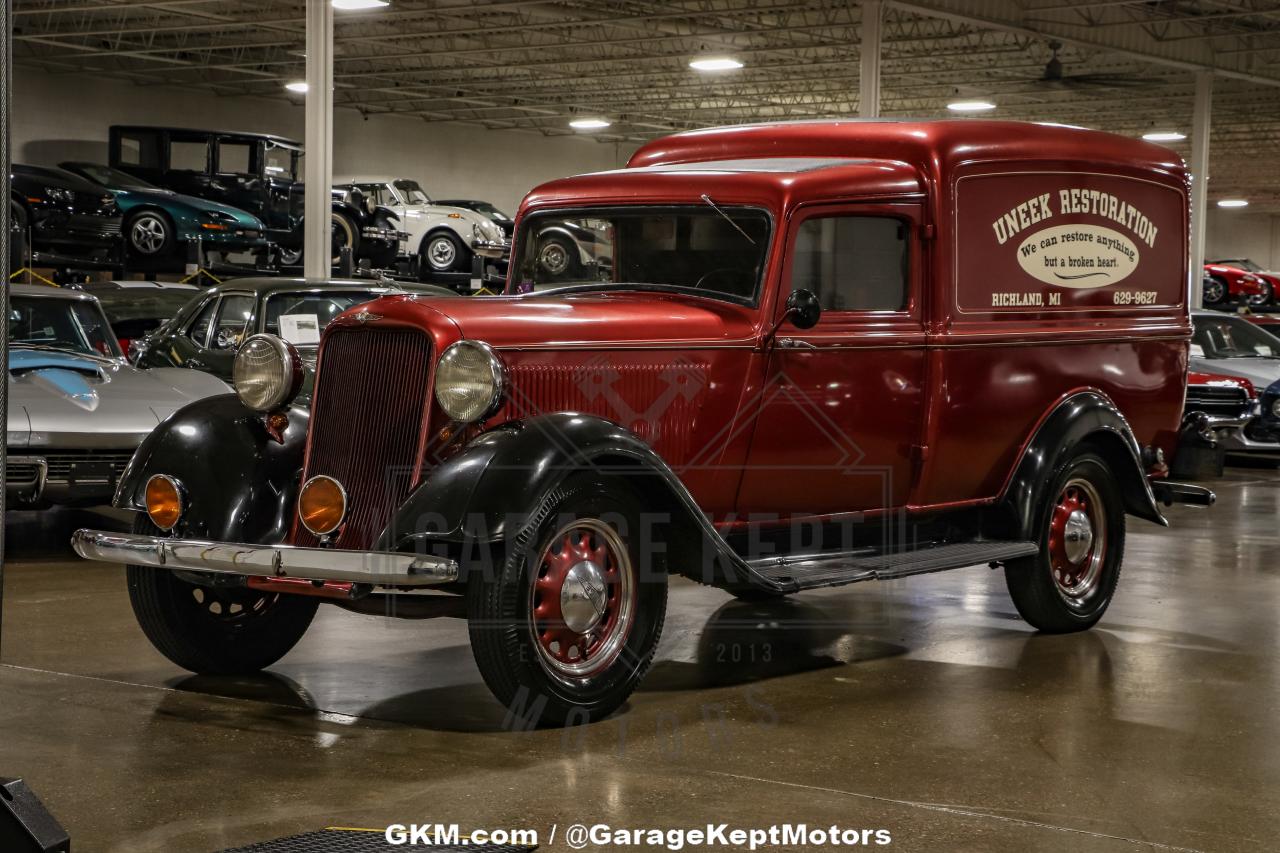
column 534, row 65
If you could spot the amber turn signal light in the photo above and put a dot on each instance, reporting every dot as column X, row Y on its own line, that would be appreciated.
column 164, row 501
column 322, row 505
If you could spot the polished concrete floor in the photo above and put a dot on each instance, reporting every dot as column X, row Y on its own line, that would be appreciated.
column 923, row 706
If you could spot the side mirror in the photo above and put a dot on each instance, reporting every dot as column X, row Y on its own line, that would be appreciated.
column 803, row 309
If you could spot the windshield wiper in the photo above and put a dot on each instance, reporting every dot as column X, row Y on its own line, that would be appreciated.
column 727, row 218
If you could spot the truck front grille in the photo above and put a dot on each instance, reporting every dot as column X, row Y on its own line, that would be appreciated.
column 368, row 419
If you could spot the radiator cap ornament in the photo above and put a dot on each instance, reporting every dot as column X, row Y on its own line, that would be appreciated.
column 364, row 316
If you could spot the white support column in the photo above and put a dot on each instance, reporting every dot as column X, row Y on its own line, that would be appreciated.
column 1199, row 180
column 318, row 172
column 869, row 55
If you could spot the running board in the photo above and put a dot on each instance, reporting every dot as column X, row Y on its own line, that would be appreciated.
column 811, row 571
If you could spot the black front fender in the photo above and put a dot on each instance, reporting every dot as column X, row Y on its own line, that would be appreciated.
column 239, row 482
column 488, row 492
column 1085, row 419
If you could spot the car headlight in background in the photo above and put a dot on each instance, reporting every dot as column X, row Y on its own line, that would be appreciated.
column 471, row 381
column 268, row 373
column 1275, row 408
column 61, row 194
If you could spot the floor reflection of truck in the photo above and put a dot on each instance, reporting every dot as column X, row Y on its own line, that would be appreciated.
column 256, row 172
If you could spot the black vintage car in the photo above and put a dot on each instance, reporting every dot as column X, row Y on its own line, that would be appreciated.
column 255, row 172
column 69, row 221
column 206, row 332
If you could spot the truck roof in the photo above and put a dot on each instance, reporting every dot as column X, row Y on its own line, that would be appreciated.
column 746, row 180
column 946, row 142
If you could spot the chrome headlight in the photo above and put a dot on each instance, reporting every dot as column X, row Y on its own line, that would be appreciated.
column 471, row 381
column 1275, row 407
column 60, row 194
column 268, row 373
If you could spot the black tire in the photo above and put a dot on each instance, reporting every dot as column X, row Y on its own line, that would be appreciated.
column 214, row 631
column 514, row 613
column 289, row 256
column 1053, row 591
column 442, row 251
column 558, row 257
column 149, row 235
column 344, row 233
column 1216, row 290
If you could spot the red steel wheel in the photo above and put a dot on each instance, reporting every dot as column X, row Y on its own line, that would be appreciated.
column 1077, row 541
column 582, row 599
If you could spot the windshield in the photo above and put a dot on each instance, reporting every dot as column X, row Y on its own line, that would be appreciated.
column 109, row 177
column 1227, row 337
column 719, row 251
column 413, row 194
column 63, row 324
column 299, row 318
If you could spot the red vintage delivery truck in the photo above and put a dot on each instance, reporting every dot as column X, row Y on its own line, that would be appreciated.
column 779, row 357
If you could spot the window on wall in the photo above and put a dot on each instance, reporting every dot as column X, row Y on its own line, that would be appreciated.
column 853, row 263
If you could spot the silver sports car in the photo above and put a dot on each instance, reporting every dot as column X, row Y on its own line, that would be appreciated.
column 77, row 409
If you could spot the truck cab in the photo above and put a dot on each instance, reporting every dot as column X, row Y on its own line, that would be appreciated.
column 810, row 354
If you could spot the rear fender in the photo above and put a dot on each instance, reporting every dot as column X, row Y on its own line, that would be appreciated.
column 239, row 482
column 1084, row 419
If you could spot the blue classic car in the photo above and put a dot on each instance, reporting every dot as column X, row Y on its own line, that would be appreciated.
column 158, row 222
column 77, row 410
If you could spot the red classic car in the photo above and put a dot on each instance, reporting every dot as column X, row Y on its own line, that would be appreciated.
column 1226, row 284
column 819, row 353
column 1270, row 280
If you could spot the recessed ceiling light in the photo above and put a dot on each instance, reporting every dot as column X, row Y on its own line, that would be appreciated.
column 589, row 123
column 715, row 63
column 299, row 86
column 1233, row 202
column 1164, row 136
column 357, row 5
column 970, row 106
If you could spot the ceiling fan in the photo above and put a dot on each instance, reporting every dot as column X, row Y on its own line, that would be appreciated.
column 1053, row 75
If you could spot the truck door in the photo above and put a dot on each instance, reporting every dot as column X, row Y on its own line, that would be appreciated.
column 841, row 408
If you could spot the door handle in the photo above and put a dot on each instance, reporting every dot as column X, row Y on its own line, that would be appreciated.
column 196, row 364
column 795, row 343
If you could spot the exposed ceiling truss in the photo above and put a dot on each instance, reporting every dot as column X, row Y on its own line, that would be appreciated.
column 532, row 65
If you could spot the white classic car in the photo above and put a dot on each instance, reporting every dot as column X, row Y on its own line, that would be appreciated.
column 441, row 239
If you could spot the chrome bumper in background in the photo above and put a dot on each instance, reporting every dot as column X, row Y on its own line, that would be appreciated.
column 279, row 561
column 491, row 248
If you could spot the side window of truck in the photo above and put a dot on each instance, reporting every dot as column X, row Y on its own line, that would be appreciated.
column 188, row 155
column 853, row 263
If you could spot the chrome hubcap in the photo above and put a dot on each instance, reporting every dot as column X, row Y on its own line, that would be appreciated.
column 441, row 252
column 147, row 235
column 554, row 258
column 582, row 598
column 1077, row 536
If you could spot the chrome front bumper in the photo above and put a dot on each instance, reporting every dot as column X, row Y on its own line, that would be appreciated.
column 276, row 561
column 491, row 248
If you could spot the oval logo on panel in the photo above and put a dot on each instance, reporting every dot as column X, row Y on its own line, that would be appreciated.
column 1078, row 256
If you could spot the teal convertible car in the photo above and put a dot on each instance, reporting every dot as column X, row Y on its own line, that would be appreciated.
column 158, row 222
